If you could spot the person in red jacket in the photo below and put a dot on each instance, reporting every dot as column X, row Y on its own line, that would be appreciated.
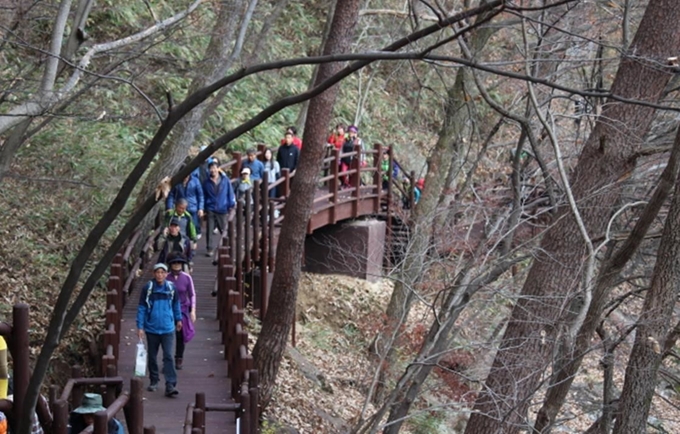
column 337, row 139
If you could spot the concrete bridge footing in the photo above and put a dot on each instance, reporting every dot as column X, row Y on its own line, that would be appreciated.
column 354, row 249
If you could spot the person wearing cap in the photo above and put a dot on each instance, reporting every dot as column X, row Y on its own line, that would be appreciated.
column 172, row 240
column 245, row 186
column 256, row 167
column 186, row 220
column 184, row 285
column 83, row 416
column 288, row 155
column 219, row 201
column 159, row 317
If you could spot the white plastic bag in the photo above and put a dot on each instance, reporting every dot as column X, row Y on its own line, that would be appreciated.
column 140, row 362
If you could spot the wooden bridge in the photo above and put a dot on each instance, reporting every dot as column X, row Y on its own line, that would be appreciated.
column 218, row 385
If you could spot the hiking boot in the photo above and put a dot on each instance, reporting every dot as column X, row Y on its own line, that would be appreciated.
column 152, row 387
column 178, row 363
column 209, row 253
column 171, row 391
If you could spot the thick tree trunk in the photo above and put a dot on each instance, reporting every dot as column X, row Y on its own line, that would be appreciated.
column 554, row 277
column 652, row 328
column 271, row 344
column 567, row 362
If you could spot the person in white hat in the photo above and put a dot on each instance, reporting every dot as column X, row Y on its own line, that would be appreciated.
column 245, row 185
column 159, row 317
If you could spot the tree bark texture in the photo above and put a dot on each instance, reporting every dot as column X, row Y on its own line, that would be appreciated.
column 568, row 362
column 607, row 157
column 652, row 328
column 276, row 327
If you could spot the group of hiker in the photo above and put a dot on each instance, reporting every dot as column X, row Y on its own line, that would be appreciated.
column 167, row 304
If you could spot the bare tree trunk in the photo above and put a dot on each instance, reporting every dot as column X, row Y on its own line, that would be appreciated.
column 652, row 328
column 271, row 344
column 567, row 362
column 553, row 278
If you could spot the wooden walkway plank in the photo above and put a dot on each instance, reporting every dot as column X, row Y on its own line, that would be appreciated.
column 205, row 369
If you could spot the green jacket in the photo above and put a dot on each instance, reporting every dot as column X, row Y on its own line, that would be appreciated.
column 186, row 223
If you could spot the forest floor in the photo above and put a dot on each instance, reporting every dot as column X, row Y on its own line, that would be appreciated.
column 323, row 382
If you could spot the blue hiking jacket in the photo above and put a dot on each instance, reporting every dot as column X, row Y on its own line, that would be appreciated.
column 158, row 310
column 192, row 192
column 256, row 169
column 219, row 198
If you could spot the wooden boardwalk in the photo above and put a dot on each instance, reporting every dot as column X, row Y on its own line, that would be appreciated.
column 205, row 369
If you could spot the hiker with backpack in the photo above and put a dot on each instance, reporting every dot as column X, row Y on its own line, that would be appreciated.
column 172, row 240
column 158, row 318
column 184, row 285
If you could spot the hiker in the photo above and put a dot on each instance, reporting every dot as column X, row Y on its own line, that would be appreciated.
column 272, row 170
column 385, row 169
column 159, row 317
column 184, row 285
column 244, row 186
column 297, row 142
column 185, row 219
column 256, row 167
column 288, row 155
column 172, row 240
column 219, row 201
column 191, row 190
column 347, row 149
column 337, row 138
column 83, row 416
column 353, row 137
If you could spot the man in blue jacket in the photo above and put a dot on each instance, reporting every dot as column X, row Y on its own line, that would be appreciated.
column 256, row 167
column 159, row 317
column 191, row 190
column 219, row 201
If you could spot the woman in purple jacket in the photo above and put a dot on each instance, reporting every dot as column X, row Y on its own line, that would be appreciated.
column 184, row 286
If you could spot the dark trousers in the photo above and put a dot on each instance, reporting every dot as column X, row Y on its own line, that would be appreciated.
column 154, row 341
column 179, row 344
column 214, row 220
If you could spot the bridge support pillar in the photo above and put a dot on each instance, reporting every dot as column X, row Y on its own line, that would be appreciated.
column 354, row 249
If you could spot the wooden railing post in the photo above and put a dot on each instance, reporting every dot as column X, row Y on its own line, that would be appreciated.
column 248, row 215
column 100, row 422
column 378, row 176
column 255, row 219
column 77, row 392
column 284, row 191
column 261, row 148
column 254, row 390
column 60, row 414
column 270, row 256
column 135, row 421
column 334, row 184
column 355, row 180
column 111, row 389
column 239, row 247
column 236, row 168
column 20, row 354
